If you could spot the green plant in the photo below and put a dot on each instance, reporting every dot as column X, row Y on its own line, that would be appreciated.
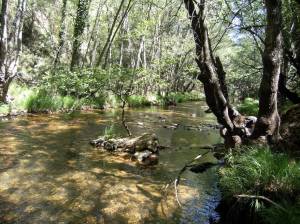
column 249, row 106
column 138, row 101
column 109, row 132
column 260, row 172
column 275, row 215
column 4, row 109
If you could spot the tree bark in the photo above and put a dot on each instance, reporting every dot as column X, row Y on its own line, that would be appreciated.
column 3, row 49
column 61, row 35
column 208, row 76
column 10, row 46
column 110, row 34
column 268, row 118
column 80, row 23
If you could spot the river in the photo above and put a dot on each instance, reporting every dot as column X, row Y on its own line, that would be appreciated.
column 50, row 174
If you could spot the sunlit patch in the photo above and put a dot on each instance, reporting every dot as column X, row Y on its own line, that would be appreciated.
column 49, row 172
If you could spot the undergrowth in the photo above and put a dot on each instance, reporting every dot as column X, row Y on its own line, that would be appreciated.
column 260, row 172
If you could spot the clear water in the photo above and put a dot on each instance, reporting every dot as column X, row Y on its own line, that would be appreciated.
column 50, row 174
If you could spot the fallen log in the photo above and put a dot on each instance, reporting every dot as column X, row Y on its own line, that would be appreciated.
column 143, row 148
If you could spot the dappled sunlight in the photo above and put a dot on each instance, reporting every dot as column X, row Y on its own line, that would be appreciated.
column 50, row 173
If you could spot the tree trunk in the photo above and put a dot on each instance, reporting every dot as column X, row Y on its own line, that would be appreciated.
column 3, row 49
column 61, row 35
column 10, row 46
column 110, row 34
column 208, row 76
column 268, row 117
column 80, row 23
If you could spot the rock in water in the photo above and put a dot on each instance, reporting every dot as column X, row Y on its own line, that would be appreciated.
column 146, row 157
column 144, row 148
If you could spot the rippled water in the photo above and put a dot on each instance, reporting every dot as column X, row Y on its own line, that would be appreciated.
column 50, row 174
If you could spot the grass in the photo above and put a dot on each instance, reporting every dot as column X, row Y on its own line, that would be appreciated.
column 138, row 101
column 249, row 107
column 40, row 100
column 261, row 172
column 178, row 97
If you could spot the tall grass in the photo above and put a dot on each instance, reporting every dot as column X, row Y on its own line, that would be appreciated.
column 261, row 172
column 43, row 101
column 177, row 97
column 138, row 101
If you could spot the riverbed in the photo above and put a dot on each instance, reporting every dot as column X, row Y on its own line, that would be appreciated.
column 50, row 174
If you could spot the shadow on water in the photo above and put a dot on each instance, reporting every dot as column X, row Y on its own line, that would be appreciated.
column 50, row 174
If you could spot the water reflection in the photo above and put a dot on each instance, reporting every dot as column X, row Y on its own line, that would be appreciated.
column 50, row 174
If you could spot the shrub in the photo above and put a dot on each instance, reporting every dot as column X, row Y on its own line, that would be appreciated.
column 40, row 101
column 138, row 101
column 249, row 106
column 177, row 97
column 4, row 109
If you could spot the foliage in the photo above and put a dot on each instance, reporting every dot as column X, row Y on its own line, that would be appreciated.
column 291, row 215
column 4, row 109
column 138, row 101
column 78, row 83
column 178, row 97
column 249, row 107
column 109, row 132
column 259, row 171
column 43, row 101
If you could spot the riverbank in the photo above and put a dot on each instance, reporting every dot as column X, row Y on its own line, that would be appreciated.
column 260, row 186
column 39, row 100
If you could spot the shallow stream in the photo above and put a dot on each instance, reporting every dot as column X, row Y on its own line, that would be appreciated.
column 50, row 174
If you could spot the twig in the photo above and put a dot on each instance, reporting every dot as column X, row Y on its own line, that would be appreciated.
column 177, row 180
column 262, row 198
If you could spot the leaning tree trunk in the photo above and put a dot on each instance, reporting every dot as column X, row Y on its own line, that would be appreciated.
column 236, row 127
column 268, row 117
column 212, row 76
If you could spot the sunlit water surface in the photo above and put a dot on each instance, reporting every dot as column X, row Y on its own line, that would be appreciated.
column 50, row 174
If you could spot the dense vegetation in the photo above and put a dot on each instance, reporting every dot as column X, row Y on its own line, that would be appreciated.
column 64, row 55
column 255, row 172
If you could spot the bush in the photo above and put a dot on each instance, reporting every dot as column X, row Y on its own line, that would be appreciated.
column 178, row 97
column 4, row 109
column 249, row 107
column 41, row 101
column 258, row 171
column 138, row 101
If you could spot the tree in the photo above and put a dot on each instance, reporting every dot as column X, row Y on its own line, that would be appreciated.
column 61, row 32
column 268, row 117
column 80, row 23
column 212, row 75
column 10, row 45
